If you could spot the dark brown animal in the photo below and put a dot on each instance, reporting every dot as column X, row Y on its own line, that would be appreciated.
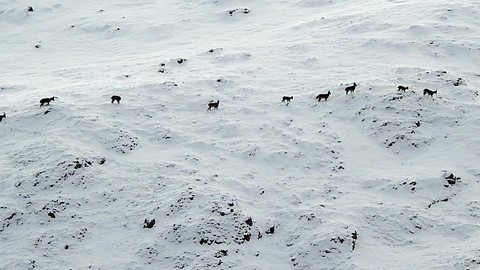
column 46, row 100
column 429, row 92
column 213, row 105
column 3, row 116
column 323, row 96
column 402, row 88
column 116, row 98
column 287, row 99
column 350, row 88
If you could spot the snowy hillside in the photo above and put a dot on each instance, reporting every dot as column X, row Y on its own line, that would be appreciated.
column 377, row 179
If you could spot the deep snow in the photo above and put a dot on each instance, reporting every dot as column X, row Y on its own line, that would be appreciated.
column 79, row 177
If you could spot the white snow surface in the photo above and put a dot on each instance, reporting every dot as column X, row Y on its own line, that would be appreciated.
column 401, row 170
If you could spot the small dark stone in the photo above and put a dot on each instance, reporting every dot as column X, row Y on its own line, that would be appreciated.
column 271, row 230
column 354, row 242
column 30, row 9
column 66, row 246
column 38, row 46
column 451, row 176
column 148, row 223
column 249, row 221
column 221, row 253
column 11, row 216
column 52, row 215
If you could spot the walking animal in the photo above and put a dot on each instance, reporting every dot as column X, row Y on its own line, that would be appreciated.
column 46, row 100
column 287, row 99
column 323, row 96
column 3, row 116
column 213, row 105
column 429, row 92
column 350, row 88
column 116, row 98
column 402, row 88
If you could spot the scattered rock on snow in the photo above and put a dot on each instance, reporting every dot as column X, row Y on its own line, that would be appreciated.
column 148, row 224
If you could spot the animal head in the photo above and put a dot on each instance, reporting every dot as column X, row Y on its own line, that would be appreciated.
column 354, row 84
column 329, row 92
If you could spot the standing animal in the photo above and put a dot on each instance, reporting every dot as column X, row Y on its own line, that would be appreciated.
column 287, row 99
column 323, row 96
column 402, row 88
column 46, row 100
column 116, row 98
column 429, row 92
column 3, row 116
column 213, row 104
column 350, row 88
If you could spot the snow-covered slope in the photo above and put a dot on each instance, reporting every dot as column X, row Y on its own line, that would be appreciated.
column 377, row 179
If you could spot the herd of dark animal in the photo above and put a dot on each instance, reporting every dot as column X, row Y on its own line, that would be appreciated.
column 46, row 101
column 214, row 105
column 351, row 89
